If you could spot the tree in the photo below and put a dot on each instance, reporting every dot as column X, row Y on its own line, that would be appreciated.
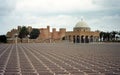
column 3, row 39
column 34, row 34
column 105, row 36
column 23, row 33
column 101, row 35
column 119, row 33
column 113, row 33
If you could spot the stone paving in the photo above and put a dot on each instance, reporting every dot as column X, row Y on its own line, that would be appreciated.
column 60, row 59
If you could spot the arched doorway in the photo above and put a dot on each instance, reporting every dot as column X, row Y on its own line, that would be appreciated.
column 82, row 39
column 78, row 39
column 69, row 38
column 74, row 39
column 63, row 38
column 86, row 39
column 91, row 38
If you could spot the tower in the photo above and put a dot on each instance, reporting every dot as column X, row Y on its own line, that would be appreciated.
column 19, row 28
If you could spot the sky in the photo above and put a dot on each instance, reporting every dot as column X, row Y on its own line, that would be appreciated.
column 103, row 15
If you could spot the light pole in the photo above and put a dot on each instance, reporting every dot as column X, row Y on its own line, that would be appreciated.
column 16, row 35
column 50, row 38
column 28, row 38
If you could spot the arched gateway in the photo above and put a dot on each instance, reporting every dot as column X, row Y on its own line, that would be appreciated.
column 82, row 33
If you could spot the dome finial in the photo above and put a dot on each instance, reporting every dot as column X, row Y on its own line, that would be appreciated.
column 81, row 24
column 82, row 18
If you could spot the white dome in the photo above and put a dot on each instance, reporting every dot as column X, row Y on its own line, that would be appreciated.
column 81, row 24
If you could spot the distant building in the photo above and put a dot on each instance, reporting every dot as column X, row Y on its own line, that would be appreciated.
column 81, row 34
column 54, row 36
column 11, row 34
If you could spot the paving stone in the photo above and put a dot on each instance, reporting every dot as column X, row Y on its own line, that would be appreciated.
column 29, row 73
column 12, row 73
column 60, row 58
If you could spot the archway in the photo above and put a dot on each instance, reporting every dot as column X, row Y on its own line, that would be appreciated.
column 74, row 39
column 86, row 39
column 69, row 38
column 63, row 38
column 78, row 39
column 91, row 38
column 82, row 39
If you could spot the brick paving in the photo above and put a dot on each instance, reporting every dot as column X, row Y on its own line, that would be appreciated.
column 60, row 59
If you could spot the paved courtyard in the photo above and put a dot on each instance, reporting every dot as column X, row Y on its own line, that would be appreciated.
column 60, row 59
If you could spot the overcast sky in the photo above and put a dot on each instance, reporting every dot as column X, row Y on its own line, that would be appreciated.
column 103, row 15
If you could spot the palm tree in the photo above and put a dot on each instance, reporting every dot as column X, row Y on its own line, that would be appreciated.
column 101, row 36
column 113, row 34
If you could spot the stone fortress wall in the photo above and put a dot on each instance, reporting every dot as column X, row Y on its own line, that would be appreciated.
column 81, row 34
column 44, row 36
column 47, row 36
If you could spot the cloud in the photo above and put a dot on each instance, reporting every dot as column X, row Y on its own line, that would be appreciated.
column 54, row 6
column 106, row 23
column 6, row 6
column 107, row 4
column 99, row 14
